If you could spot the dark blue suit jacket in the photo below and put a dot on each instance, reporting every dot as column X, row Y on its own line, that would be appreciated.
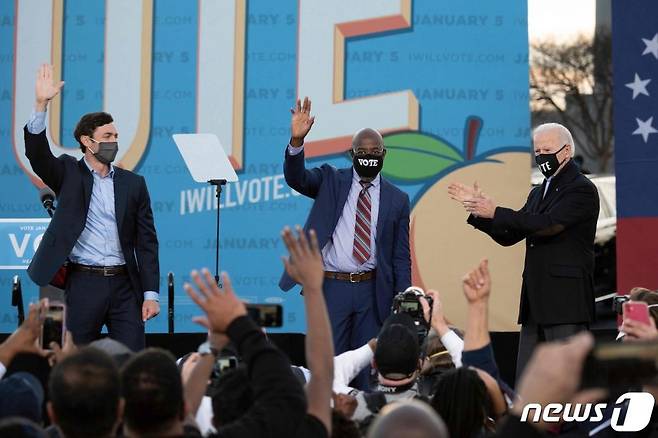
column 72, row 182
column 330, row 187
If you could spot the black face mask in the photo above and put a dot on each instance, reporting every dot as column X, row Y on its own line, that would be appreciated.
column 107, row 151
column 548, row 163
column 368, row 165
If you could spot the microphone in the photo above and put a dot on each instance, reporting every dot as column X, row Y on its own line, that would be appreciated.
column 47, row 197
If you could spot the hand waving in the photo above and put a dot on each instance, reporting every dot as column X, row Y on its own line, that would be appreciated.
column 46, row 88
column 301, row 121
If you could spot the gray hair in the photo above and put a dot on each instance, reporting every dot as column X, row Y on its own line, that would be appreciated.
column 408, row 418
column 562, row 132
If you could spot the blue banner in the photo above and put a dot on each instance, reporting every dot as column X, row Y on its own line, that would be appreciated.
column 451, row 76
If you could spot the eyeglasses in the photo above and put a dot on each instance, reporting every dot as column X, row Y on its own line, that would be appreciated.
column 363, row 153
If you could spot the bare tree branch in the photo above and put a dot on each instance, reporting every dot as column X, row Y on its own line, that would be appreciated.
column 575, row 81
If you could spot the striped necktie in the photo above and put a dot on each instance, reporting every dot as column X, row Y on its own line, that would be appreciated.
column 361, row 251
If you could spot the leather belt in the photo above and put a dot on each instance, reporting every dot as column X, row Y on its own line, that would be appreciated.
column 105, row 271
column 352, row 277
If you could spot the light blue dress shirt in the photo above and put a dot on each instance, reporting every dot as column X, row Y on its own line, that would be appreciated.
column 98, row 244
column 337, row 253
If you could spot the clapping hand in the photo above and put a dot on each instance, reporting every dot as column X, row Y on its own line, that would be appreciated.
column 473, row 199
column 461, row 192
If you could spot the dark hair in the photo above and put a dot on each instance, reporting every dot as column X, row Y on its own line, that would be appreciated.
column 648, row 296
column 461, row 399
column 19, row 427
column 153, row 391
column 88, row 124
column 343, row 427
column 85, row 392
column 233, row 396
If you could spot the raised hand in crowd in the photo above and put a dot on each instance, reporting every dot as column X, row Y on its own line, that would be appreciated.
column 278, row 405
column 25, row 338
column 639, row 331
column 477, row 284
column 304, row 265
column 221, row 306
column 301, row 121
column 477, row 289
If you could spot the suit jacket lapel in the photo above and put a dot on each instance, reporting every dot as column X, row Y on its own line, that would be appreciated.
column 120, row 196
column 343, row 191
column 567, row 174
column 385, row 191
column 87, row 183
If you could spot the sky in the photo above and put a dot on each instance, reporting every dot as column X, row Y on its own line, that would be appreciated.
column 560, row 19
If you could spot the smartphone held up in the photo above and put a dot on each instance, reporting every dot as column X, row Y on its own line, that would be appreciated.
column 53, row 324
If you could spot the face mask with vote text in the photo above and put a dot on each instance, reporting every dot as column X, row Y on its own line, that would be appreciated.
column 548, row 163
column 368, row 165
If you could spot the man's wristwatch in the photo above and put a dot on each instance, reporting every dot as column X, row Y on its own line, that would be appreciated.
column 206, row 348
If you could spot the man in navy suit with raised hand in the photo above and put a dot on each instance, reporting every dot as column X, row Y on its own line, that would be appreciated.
column 362, row 224
column 103, row 226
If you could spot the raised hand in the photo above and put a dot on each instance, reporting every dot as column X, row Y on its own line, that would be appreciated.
column 24, row 339
column 45, row 87
column 222, row 307
column 639, row 331
column 438, row 321
column 304, row 265
column 461, row 192
column 301, row 121
column 477, row 283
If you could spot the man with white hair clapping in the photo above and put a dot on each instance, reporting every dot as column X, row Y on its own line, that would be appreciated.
column 558, row 223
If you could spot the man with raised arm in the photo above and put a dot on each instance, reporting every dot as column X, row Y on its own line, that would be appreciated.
column 103, row 226
column 362, row 225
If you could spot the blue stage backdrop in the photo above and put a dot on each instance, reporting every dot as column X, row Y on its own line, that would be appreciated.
column 446, row 81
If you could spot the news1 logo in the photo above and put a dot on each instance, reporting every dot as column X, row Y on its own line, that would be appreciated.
column 637, row 407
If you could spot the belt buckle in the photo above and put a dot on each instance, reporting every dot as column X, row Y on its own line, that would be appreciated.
column 352, row 275
column 105, row 272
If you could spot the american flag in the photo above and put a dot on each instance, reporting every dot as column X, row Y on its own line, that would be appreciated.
column 635, row 100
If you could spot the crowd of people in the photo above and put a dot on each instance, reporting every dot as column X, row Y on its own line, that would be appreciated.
column 448, row 385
